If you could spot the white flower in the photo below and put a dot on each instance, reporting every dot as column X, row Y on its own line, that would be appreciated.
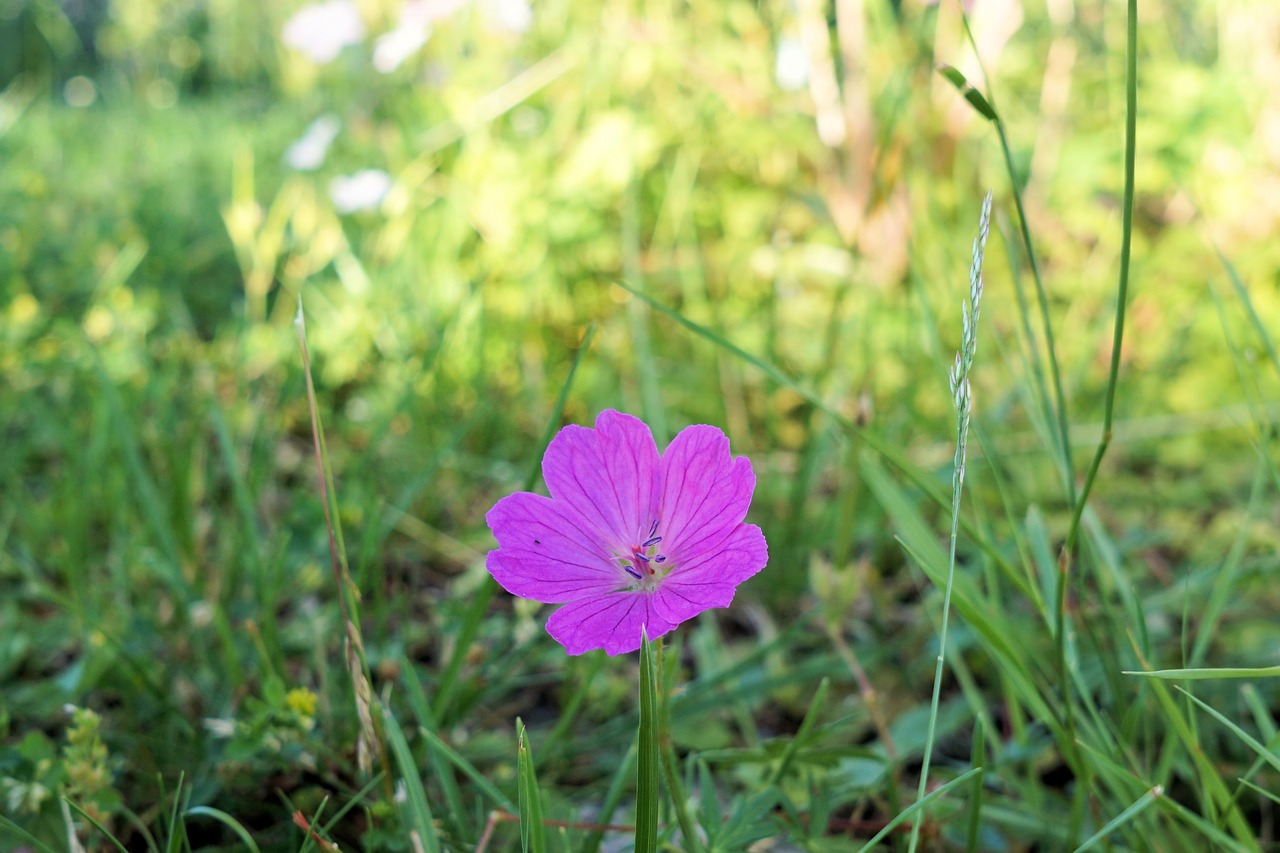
column 431, row 10
column 364, row 190
column 322, row 30
column 308, row 151
column 411, row 33
column 515, row 16
column 394, row 47
column 791, row 68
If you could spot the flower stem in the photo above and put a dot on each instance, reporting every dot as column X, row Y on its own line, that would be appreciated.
column 670, row 769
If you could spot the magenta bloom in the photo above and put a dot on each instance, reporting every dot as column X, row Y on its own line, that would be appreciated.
column 628, row 538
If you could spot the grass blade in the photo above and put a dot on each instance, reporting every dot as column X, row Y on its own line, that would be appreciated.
column 9, row 826
column 648, row 762
column 226, row 820
column 1208, row 674
column 1121, row 819
column 965, row 88
column 806, row 725
column 1248, row 739
column 420, row 820
column 923, row 803
column 533, row 832
column 97, row 825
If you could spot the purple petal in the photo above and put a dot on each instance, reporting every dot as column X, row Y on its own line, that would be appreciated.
column 611, row 622
column 607, row 477
column 543, row 555
column 705, row 492
column 710, row 578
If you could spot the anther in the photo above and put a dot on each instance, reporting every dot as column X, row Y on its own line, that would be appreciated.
column 653, row 541
column 641, row 557
column 632, row 572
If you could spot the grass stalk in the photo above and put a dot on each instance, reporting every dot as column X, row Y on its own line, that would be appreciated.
column 962, row 396
column 370, row 744
column 1042, row 298
column 666, row 749
column 1126, row 246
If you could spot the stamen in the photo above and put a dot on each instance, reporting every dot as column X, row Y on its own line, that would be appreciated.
column 654, row 541
column 632, row 572
column 641, row 557
column 654, row 528
column 660, row 559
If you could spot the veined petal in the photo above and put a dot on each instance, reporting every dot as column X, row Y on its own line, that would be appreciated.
column 611, row 622
column 705, row 492
column 607, row 477
column 710, row 578
column 544, row 555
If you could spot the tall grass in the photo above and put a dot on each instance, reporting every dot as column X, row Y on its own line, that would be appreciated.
column 625, row 209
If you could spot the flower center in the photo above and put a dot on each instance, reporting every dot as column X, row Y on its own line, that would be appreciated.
column 643, row 562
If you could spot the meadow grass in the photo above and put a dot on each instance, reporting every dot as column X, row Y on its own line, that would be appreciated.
column 242, row 581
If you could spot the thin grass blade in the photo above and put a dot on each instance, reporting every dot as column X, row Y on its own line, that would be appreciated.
column 648, row 765
column 1209, row 674
column 226, row 820
column 420, row 820
column 533, row 831
column 1121, row 819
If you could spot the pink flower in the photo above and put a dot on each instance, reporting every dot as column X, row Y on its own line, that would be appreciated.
column 628, row 538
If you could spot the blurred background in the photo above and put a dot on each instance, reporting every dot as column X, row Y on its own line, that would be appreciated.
column 455, row 190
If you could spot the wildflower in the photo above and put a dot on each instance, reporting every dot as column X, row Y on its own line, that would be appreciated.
column 417, row 18
column 307, row 153
column 629, row 539
column 791, row 65
column 364, row 190
column 322, row 30
column 395, row 46
column 513, row 16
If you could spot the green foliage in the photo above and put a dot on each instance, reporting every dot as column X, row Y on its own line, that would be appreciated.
column 622, row 207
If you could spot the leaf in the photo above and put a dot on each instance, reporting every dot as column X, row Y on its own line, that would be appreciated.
column 1205, row 674
column 648, row 765
column 1124, row 817
column 419, row 810
column 226, row 820
column 965, row 88
column 533, row 832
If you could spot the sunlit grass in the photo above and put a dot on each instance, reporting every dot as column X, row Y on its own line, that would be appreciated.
column 624, row 210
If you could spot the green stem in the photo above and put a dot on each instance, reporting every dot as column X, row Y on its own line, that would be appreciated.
column 942, row 652
column 670, row 769
column 1126, row 244
column 1024, row 229
column 1042, row 298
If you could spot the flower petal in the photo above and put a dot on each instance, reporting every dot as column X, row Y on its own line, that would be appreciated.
column 705, row 492
column 608, row 477
column 710, row 578
column 543, row 555
column 611, row 622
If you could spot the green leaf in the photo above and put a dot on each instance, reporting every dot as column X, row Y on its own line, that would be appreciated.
column 226, row 820
column 810, row 717
column 648, row 766
column 1248, row 739
column 533, row 832
column 1208, row 674
column 1124, row 817
column 11, row 827
column 965, row 88
column 915, row 807
column 98, row 826
column 420, row 820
